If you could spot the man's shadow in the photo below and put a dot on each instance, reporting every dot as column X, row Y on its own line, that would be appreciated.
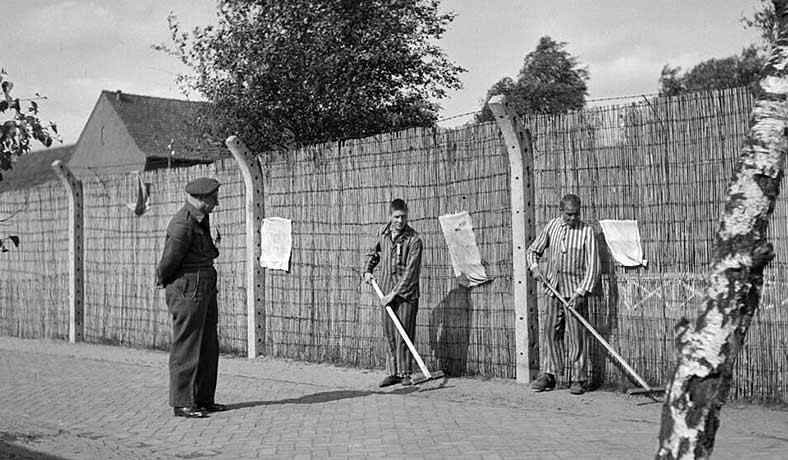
column 449, row 331
column 322, row 397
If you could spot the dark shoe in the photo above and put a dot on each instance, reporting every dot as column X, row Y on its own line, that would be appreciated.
column 544, row 382
column 189, row 412
column 577, row 388
column 390, row 380
column 213, row 407
column 406, row 381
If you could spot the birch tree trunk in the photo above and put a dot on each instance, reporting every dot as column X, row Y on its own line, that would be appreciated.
column 707, row 351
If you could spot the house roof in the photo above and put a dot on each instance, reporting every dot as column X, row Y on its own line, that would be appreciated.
column 159, row 126
column 34, row 168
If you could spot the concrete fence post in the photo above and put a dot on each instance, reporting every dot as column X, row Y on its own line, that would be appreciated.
column 255, row 274
column 521, row 162
column 76, row 272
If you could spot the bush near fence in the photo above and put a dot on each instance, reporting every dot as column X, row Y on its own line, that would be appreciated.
column 664, row 162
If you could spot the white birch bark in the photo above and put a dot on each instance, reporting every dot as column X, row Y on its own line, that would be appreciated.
column 707, row 351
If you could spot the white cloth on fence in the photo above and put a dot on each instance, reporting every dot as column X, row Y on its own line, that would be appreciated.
column 463, row 252
column 276, row 242
column 142, row 204
column 623, row 241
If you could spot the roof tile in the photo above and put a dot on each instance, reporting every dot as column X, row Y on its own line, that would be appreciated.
column 159, row 126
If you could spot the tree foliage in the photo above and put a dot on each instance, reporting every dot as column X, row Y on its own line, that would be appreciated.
column 550, row 81
column 20, row 125
column 729, row 72
column 305, row 71
column 762, row 19
column 733, row 71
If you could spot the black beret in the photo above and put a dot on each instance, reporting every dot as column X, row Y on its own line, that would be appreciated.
column 202, row 186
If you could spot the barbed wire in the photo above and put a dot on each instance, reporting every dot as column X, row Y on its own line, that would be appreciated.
column 459, row 115
column 176, row 165
column 620, row 98
column 14, row 213
column 644, row 96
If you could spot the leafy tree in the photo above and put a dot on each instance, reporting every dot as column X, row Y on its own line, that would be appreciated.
column 762, row 19
column 18, row 131
column 729, row 72
column 305, row 71
column 550, row 81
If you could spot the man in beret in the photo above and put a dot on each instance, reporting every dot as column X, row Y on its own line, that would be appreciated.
column 187, row 274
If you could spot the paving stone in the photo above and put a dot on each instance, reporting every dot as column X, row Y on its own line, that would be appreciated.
column 75, row 401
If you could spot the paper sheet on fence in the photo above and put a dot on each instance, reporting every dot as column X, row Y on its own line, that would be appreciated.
column 465, row 257
column 623, row 240
column 276, row 241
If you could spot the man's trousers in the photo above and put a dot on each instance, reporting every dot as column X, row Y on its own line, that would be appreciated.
column 194, row 352
column 399, row 361
column 561, row 326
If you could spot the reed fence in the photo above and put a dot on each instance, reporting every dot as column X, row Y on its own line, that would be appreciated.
column 665, row 162
column 337, row 196
column 122, row 249
column 34, row 280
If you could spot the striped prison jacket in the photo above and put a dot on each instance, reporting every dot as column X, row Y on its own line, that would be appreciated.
column 400, row 262
column 573, row 257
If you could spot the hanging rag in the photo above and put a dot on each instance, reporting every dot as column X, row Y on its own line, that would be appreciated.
column 276, row 241
column 463, row 252
column 12, row 238
column 142, row 204
column 623, row 241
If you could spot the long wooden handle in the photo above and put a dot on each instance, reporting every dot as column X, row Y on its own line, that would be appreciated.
column 402, row 332
column 599, row 338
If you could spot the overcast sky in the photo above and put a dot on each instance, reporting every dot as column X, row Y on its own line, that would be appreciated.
column 70, row 50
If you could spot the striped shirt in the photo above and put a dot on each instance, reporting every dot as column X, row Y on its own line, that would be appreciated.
column 399, row 261
column 573, row 260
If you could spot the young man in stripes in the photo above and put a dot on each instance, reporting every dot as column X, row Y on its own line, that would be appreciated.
column 572, row 269
column 396, row 251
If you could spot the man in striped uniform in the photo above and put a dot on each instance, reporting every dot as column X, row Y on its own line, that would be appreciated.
column 396, row 251
column 572, row 269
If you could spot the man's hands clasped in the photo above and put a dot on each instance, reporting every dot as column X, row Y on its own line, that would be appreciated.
column 387, row 299
column 536, row 272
